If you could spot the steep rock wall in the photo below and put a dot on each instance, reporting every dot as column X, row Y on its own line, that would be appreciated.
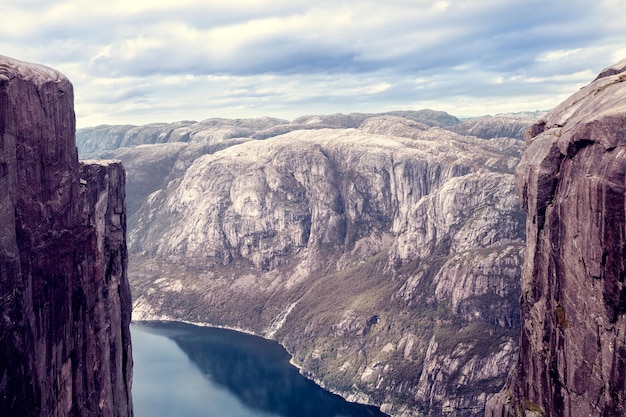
column 64, row 296
column 572, row 182
column 381, row 256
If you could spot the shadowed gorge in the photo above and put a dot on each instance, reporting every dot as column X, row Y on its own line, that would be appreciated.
column 65, row 300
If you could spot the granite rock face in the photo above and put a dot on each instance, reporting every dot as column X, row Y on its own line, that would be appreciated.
column 380, row 250
column 572, row 182
column 65, row 300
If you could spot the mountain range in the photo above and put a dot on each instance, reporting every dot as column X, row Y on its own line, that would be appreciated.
column 428, row 265
column 384, row 251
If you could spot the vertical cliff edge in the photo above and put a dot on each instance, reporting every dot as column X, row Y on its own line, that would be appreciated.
column 65, row 302
column 572, row 182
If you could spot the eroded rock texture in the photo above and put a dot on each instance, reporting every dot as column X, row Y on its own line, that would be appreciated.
column 64, row 296
column 382, row 250
column 572, row 182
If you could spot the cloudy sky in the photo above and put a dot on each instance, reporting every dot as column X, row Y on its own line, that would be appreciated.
column 167, row 60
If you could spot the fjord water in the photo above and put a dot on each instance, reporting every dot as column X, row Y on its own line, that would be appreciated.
column 189, row 371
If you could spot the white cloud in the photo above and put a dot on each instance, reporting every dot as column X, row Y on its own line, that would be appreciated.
column 618, row 55
column 552, row 56
column 140, row 61
column 578, row 77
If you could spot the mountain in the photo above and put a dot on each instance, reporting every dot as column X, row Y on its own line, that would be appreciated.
column 572, row 183
column 383, row 251
column 510, row 125
column 212, row 131
column 65, row 300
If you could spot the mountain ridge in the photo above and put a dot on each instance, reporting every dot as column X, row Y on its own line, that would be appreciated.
column 338, row 239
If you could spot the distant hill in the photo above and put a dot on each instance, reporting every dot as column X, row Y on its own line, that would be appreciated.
column 210, row 131
column 510, row 125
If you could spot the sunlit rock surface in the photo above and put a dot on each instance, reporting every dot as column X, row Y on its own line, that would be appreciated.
column 216, row 130
column 64, row 296
column 376, row 248
column 572, row 182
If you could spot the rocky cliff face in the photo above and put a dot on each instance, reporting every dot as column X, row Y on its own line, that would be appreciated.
column 64, row 294
column 572, row 182
column 381, row 250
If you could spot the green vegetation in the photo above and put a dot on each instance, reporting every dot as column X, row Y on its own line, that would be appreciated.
column 531, row 406
column 474, row 336
column 561, row 317
column 358, row 324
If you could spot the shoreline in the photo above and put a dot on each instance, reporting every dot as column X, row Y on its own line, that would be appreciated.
column 291, row 361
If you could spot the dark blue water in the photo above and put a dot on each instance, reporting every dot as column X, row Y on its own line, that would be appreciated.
column 188, row 371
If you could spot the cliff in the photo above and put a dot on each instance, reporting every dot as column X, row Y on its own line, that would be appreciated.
column 65, row 301
column 216, row 130
column 572, row 183
column 380, row 250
